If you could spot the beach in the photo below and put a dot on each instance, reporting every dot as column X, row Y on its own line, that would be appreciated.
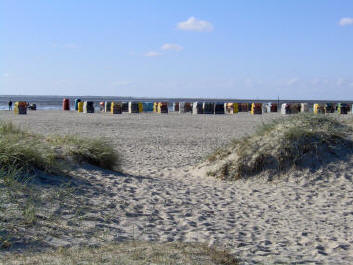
column 305, row 217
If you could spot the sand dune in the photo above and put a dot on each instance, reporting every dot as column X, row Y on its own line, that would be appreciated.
column 307, row 218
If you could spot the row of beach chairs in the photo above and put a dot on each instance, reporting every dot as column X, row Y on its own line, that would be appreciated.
column 211, row 107
column 195, row 107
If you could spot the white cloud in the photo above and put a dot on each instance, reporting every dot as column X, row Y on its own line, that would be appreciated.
column 165, row 47
column 194, row 24
column 153, row 54
column 292, row 81
column 172, row 47
column 5, row 74
column 345, row 21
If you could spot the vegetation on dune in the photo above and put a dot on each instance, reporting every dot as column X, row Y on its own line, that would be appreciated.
column 30, row 152
column 93, row 151
column 131, row 253
column 25, row 151
column 22, row 205
column 303, row 140
column 29, row 166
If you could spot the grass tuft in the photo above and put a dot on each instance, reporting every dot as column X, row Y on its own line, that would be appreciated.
column 30, row 152
column 130, row 253
column 93, row 151
column 303, row 140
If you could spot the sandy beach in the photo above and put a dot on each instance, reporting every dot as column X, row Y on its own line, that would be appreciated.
column 306, row 217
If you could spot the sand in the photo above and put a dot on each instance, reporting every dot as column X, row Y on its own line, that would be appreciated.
column 306, row 217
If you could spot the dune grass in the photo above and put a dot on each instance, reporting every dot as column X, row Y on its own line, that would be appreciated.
column 29, row 152
column 303, row 140
column 25, row 157
column 129, row 253
column 93, row 151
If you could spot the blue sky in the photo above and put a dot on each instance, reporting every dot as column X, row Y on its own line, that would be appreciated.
column 293, row 49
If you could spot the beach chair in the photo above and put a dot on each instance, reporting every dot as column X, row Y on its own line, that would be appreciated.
column 197, row 108
column 77, row 100
column 219, row 108
column 319, row 108
column 330, row 108
column 274, row 107
column 208, row 108
column 116, row 108
column 243, row 107
column 133, row 107
column 107, row 106
column 342, row 108
column 265, row 108
column 125, row 107
column 163, row 107
column 256, row 108
column 80, row 106
column 185, row 107
column 231, row 108
column 304, row 107
column 294, row 108
column 88, row 107
column 102, row 106
column 20, row 107
column 235, row 107
column 285, row 108
column 176, row 106
column 147, row 106
column 66, row 104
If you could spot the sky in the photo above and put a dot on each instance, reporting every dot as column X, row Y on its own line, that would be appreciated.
column 293, row 49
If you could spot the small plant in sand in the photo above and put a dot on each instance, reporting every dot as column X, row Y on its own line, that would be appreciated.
column 302, row 140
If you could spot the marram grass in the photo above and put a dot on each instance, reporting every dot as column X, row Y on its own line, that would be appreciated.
column 25, row 158
column 303, row 140
column 29, row 152
column 129, row 253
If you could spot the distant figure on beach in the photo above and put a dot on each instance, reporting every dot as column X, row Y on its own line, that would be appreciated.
column 10, row 105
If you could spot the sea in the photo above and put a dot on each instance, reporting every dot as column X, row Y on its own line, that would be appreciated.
column 44, row 102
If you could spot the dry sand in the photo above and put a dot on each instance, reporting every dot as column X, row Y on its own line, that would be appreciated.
column 305, row 218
